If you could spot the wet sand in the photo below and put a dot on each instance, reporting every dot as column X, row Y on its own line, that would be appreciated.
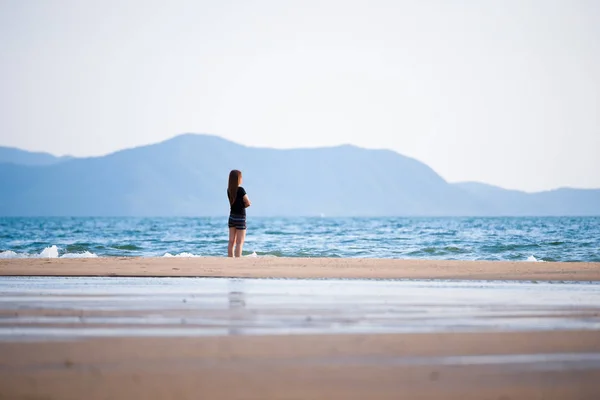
column 174, row 338
column 274, row 267
column 425, row 366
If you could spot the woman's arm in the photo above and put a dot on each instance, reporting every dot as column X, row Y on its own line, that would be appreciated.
column 246, row 201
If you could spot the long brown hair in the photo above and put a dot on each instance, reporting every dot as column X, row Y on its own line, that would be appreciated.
column 235, row 177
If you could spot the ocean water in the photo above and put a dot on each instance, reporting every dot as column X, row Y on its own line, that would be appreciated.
column 516, row 239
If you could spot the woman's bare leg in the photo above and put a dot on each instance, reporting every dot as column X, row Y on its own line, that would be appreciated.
column 239, row 241
column 232, row 237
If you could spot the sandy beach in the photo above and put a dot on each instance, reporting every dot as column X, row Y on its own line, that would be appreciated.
column 104, row 334
column 301, row 367
column 273, row 267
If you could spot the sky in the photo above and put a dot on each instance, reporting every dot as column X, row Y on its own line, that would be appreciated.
column 501, row 92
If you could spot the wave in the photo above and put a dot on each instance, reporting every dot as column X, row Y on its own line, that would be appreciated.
column 533, row 259
column 439, row 251
column 48, row 252
column 443, row 250
column 85, row 254
column 273, row 253
column 184, row 254
column 499, row 248
column 127, row 247
column 78, row 247
column 9, row 254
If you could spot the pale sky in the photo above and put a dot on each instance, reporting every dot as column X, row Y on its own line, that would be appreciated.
column 505, row 92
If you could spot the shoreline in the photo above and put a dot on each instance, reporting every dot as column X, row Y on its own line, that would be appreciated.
column 303, row 268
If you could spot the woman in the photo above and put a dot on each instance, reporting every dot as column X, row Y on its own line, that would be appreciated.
column 238, row 201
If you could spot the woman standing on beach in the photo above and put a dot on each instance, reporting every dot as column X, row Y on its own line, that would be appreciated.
column 238, row 201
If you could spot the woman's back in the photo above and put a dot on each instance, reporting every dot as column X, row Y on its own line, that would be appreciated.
column 238, row 201
column 238, row 207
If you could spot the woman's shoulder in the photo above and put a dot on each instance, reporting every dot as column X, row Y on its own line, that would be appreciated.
column 241, row 190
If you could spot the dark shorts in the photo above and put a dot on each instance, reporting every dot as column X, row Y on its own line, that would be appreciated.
column 237, row 221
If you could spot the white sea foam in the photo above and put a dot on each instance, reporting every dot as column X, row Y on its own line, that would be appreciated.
column 9, row 254
column 85, row 254
column 48, row 252
column 533, row 259
column 184, row 254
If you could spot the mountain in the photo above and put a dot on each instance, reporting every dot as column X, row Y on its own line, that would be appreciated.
column 187, row 176
column 21, row 157
column 563, row 201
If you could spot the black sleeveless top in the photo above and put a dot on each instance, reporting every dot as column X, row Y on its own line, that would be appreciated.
column 238, row 207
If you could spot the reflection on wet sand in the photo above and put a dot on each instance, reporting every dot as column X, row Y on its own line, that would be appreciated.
column 88, row 307
column 237, row 301
column 155, row 338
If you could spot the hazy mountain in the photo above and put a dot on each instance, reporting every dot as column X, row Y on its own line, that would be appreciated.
column 564, row 201
column 187, row 175
column 21, row 157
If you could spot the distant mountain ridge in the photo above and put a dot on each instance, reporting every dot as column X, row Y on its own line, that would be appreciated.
column 187, row 176
column 578, row 202
column 22, row 157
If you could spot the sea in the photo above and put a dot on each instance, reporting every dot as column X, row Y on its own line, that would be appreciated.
column 494, row 238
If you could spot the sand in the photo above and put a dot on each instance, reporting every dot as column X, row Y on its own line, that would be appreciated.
column 498, row 365
column 304, row 367
column 303, row 268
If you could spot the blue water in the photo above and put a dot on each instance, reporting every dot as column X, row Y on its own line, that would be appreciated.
column 525, row 238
